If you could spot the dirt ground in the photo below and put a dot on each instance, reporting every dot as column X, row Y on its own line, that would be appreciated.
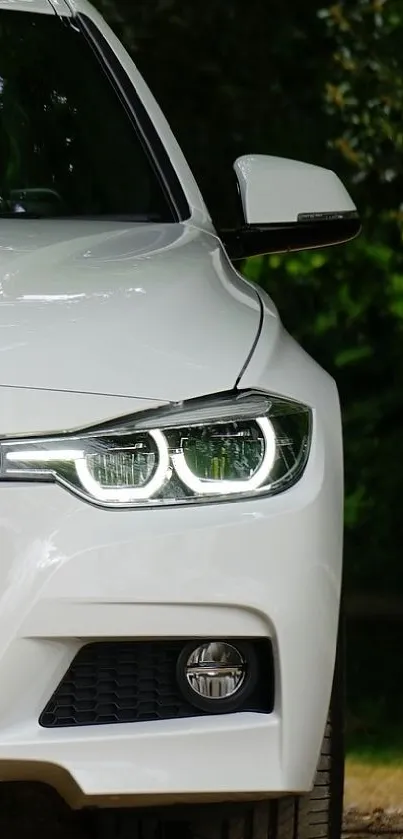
column 379, row 823
column 372, row 787
column 373, row 799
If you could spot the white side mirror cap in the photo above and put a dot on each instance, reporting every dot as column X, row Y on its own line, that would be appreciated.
column 275, row 190
column 289, row 206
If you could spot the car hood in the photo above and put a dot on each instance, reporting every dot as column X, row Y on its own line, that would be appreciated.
column 145, row 310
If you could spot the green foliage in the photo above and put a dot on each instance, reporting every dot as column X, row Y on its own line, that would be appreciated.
column 364, row 96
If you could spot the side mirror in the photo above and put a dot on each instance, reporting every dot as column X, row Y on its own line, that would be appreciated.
column 289, row 206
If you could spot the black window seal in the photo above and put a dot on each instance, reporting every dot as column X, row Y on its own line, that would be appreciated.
column 145, row 129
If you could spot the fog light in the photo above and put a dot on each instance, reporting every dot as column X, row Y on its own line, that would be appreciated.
column 217, row 676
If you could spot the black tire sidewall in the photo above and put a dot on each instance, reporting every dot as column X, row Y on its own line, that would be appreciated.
column 337, row 717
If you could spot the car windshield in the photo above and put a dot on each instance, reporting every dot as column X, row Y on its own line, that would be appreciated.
column 68, row 147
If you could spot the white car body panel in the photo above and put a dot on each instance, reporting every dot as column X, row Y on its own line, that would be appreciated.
column 73, row 573
column 98, row 320
column 161, row 297
column 27, row 411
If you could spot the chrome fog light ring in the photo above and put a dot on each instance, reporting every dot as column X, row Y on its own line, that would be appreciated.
column 217, row 675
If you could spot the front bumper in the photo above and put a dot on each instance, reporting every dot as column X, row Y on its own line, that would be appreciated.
column 268, row 568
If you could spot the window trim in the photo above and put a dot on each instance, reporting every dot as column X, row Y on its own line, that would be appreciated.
column 143, row 125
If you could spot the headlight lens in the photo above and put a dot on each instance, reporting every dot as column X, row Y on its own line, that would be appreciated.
column 209, row 449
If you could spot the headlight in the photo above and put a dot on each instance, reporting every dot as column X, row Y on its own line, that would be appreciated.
column 231, row 446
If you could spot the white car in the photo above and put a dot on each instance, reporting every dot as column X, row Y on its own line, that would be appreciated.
column 171, row 476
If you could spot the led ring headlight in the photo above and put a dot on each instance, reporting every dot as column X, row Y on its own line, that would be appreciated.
column 206, row 450
column 79, row 458
column 130, row 495
column 203, row 486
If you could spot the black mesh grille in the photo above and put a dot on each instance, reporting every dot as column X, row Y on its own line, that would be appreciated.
column 131, row 681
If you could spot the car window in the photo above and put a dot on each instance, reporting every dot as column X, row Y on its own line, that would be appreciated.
column 68, row 146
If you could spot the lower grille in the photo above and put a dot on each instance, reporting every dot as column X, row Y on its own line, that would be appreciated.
column 135, row 681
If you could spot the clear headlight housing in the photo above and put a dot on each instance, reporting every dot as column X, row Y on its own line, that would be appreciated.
column 229, row 446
